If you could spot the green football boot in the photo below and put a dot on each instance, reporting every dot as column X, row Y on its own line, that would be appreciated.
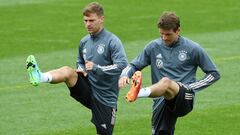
column 33, row 70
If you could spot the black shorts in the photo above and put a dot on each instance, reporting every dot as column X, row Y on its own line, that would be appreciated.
column 103, row 117
column 165, row 115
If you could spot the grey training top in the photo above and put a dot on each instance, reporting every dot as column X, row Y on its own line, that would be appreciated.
column 106, row 51
column 179, row 62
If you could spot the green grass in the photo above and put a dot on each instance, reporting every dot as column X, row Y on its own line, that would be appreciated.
column 51, row 30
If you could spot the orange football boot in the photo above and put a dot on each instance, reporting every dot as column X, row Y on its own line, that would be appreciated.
column 136, row 84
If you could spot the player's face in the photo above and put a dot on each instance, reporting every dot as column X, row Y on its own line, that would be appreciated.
column 93, row 23
column 169, row 36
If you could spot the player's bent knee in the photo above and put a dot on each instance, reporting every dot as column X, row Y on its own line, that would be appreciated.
column 68, row 71
column 70, row 75
column 165, row 83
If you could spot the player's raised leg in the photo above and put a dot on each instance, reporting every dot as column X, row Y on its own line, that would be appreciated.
column 165, row 87
column 64, row 74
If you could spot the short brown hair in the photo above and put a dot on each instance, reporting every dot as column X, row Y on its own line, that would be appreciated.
column 169, row 20
column 93, row 7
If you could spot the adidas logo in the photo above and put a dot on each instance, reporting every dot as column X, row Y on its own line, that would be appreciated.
column 159, row 56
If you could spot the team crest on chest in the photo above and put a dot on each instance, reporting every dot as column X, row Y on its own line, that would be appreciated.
column 182, row 56
column 159, row 62
column 100, row 48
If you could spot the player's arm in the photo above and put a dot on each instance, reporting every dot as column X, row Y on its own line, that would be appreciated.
column 80, row 61
column 209, row 68
column 141, row 61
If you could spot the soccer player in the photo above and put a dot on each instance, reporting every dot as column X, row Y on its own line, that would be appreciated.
column 94, row 83
column 174, row 60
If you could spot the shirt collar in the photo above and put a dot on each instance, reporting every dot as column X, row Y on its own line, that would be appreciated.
column 94, row 36
column 174, row 44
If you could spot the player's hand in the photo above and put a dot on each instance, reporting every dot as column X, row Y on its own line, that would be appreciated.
column 81, row 71
column 123, row 81
column 89, row 65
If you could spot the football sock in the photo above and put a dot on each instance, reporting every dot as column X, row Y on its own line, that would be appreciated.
column 46, row 77
column 144, row 92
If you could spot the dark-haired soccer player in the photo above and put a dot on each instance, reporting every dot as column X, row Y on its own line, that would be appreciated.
column 174, row 60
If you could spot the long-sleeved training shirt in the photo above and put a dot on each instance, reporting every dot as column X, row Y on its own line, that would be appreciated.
column 178, row 62
column 106, row 51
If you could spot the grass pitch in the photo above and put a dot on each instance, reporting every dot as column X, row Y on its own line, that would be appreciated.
column 51, row 30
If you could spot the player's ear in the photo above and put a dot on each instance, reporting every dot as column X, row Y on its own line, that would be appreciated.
column 178, row 31
column 102, row 18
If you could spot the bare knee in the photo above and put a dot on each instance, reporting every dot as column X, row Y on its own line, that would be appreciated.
column 70, row 76
column 167, row 86
column 67, row 71
column 165, row 83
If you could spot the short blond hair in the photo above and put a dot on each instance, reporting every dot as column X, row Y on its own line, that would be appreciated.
column 93, row 7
